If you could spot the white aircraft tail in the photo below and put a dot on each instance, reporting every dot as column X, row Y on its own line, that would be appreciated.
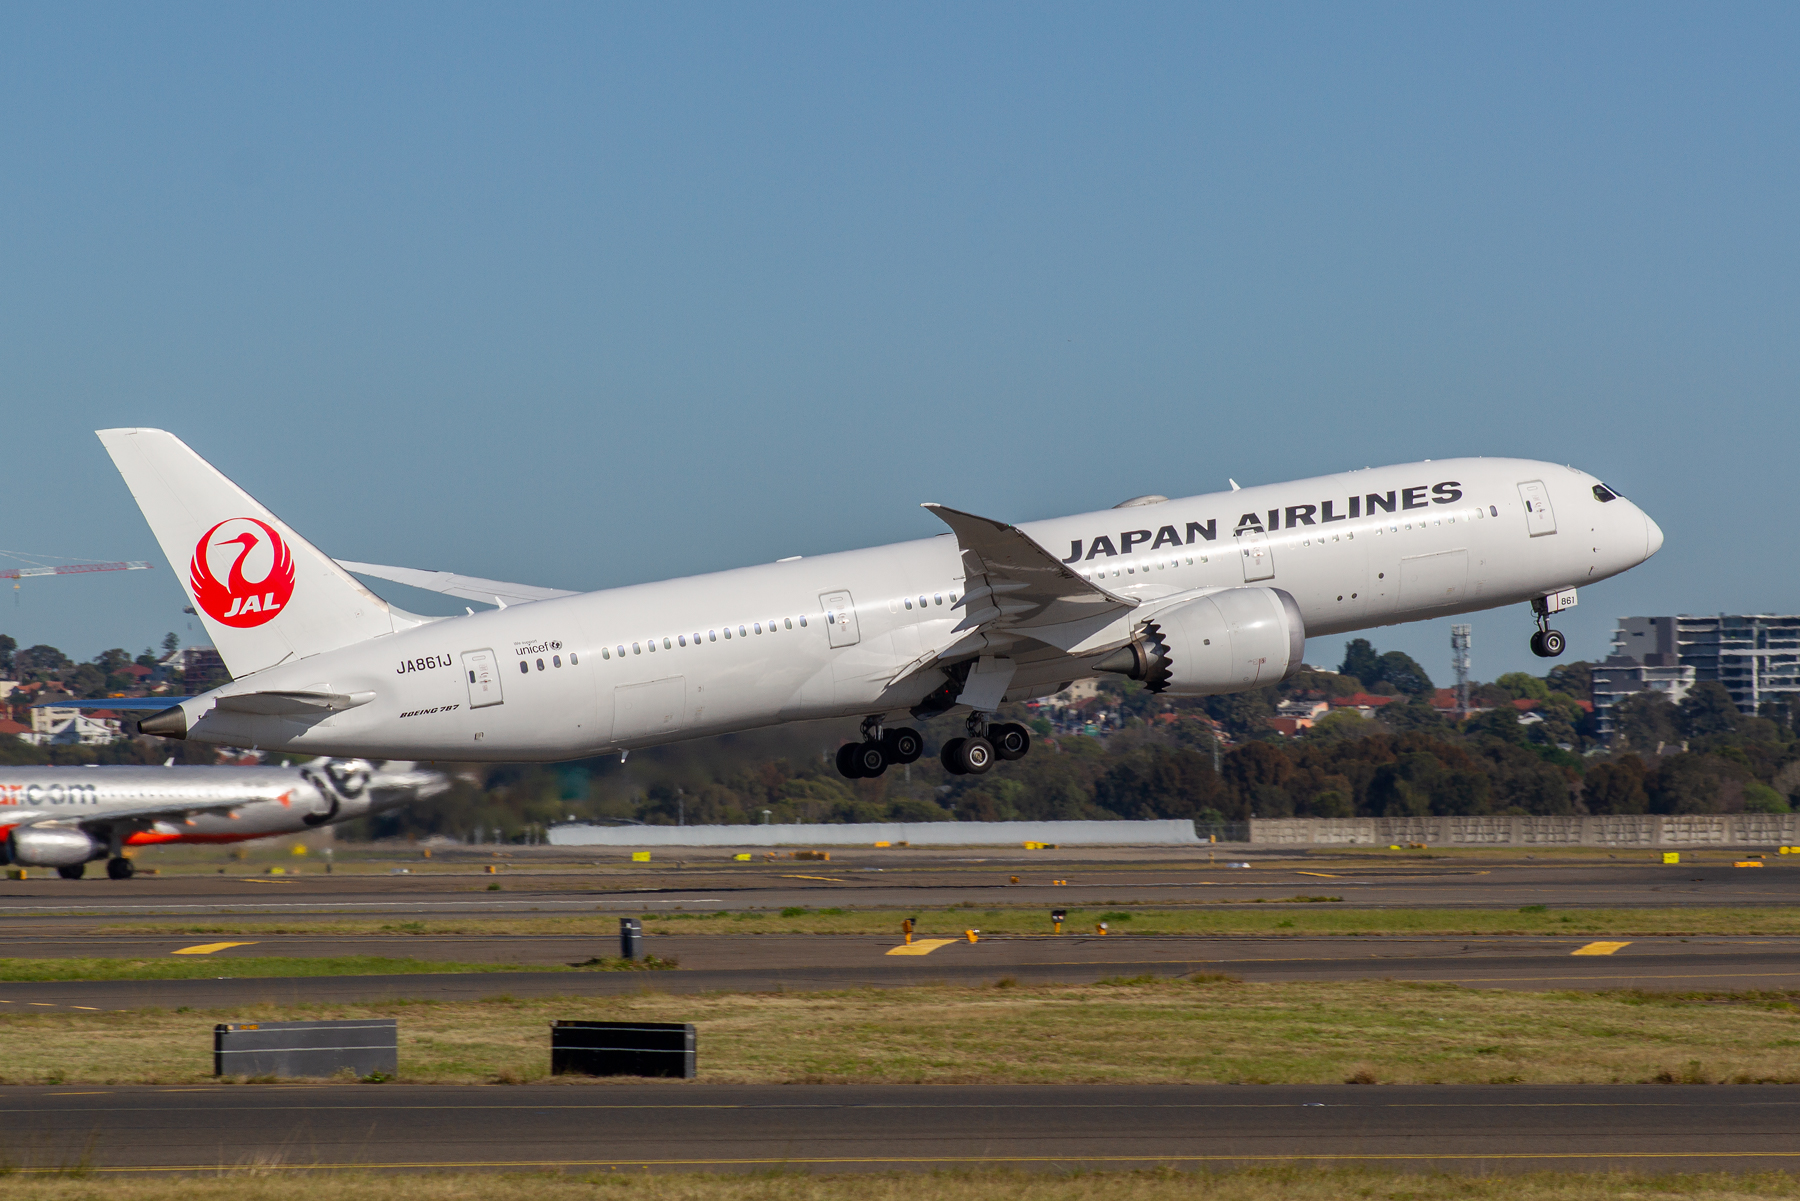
column 264, row 594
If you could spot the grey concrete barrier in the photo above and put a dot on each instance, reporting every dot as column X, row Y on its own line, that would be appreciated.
column 623, row 1049
column 306, row 1048
column 867, row 834
column 1576, row 830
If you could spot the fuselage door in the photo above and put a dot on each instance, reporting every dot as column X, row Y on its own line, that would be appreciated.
column 1258, row 556
column 1540, row 518
column 840, row 618
column 481, row 671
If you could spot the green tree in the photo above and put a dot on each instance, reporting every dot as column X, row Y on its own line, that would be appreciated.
column 1708, row 711
column 41, row 663
column 1760, row 798
column 1616, row 787
column 1523, row 687
column 170, row 643
column 8, row 644
column 1399, row 669
column 1576, row 679
column 1681, row 784
column 1645, row 721
column 1362, row 661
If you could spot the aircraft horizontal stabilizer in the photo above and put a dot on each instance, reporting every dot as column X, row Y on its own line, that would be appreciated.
column 300, row 704
column 468, row 587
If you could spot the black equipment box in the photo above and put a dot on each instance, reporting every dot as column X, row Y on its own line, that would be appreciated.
column 623, row 1049
column 306, row 1048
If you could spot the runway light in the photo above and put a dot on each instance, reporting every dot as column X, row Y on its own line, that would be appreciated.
column 1057, row 918
column 906, row 929
column 973, row 935
column 1100, row 928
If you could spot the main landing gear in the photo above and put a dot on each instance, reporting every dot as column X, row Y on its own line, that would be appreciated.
column 120, row 868
column 1546, row 643
column 987, row 741
column 878, row 750
column 72, row 872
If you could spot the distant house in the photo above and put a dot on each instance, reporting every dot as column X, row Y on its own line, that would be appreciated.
column 13, row 729
column 79, row 730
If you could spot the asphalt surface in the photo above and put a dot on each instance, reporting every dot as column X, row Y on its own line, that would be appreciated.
column 693, row 1126
column 551, row 884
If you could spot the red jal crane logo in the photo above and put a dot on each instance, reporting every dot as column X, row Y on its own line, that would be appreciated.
column 251, row 547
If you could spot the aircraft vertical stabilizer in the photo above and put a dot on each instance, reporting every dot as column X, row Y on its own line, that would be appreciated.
column 264, row 593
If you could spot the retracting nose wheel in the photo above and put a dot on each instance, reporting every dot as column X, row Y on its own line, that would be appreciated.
column 1546, row 643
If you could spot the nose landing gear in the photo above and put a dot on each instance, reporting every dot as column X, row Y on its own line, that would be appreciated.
column 1546, row 643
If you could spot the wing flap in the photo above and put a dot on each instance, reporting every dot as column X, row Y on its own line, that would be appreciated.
column 1015, row 584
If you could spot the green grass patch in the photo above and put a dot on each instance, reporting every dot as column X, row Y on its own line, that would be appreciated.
column 1128, row 1030
column 1278, row 915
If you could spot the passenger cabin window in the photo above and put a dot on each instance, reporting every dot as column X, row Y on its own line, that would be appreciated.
column 803, row 621
column 524, row 668
column 573, row 660
column 556, row 660
column 788, row 622
column 728, row 633
column 636, row 649
column 540, row 664
column 909, row 602
column 759, row 627
column 741, row 633
column 682, row 640
column 712, row 635
column 667, row 645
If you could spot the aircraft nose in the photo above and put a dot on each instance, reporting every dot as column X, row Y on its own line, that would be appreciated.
column 1653, row 536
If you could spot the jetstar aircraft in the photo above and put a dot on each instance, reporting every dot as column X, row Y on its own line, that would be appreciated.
column 1209, row 594
column 66, row 817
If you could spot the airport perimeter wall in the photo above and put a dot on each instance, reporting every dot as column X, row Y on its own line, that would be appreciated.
column 1609, row 830
column 970, row 834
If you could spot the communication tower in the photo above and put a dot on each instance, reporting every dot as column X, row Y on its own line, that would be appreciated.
column 1459, row 662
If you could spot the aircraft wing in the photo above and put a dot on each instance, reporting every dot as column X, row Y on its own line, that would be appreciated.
column 1013, row 584
column 468, row 587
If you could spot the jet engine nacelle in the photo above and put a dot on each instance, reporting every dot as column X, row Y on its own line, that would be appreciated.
column 1228, row 641
column 52, row 846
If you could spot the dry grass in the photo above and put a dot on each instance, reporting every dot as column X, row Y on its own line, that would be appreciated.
column 1292, row 919
column 1149, row 1031
column 1283, row 1184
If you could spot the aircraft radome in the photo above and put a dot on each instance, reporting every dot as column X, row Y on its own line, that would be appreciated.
column 1207, row 594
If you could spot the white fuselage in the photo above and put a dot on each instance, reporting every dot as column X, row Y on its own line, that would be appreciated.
column 652, row 663
column 154, row 805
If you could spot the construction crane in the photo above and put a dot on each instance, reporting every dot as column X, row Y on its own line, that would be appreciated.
column 34, row 570
column 73, row 569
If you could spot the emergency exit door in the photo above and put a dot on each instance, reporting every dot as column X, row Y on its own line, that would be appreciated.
column 1540, row 518
column 481, row 671
column 840, row 618
column 1258, row 556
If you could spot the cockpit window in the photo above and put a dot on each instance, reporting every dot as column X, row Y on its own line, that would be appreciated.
column 1603, row 494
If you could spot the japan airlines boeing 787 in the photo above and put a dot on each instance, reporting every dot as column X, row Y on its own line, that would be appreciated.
column 1208, row 594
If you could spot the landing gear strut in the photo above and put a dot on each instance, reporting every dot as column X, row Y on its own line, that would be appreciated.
column 1546, row 643
column 878, row 750
column 987, row 741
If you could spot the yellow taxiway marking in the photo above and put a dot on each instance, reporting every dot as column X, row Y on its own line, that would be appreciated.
column 260, row 880
column 94, row 1008
column 1326, row 875
column 831, row 879
column 924, row 946
column 207, row 948
column 101, row 1093
column 1599, row 948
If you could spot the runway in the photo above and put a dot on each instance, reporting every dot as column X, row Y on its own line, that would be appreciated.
column 899, row 880
column 807, row 963
column 688, row 1127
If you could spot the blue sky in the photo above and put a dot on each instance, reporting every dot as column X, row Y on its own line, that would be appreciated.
column 584, row 295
